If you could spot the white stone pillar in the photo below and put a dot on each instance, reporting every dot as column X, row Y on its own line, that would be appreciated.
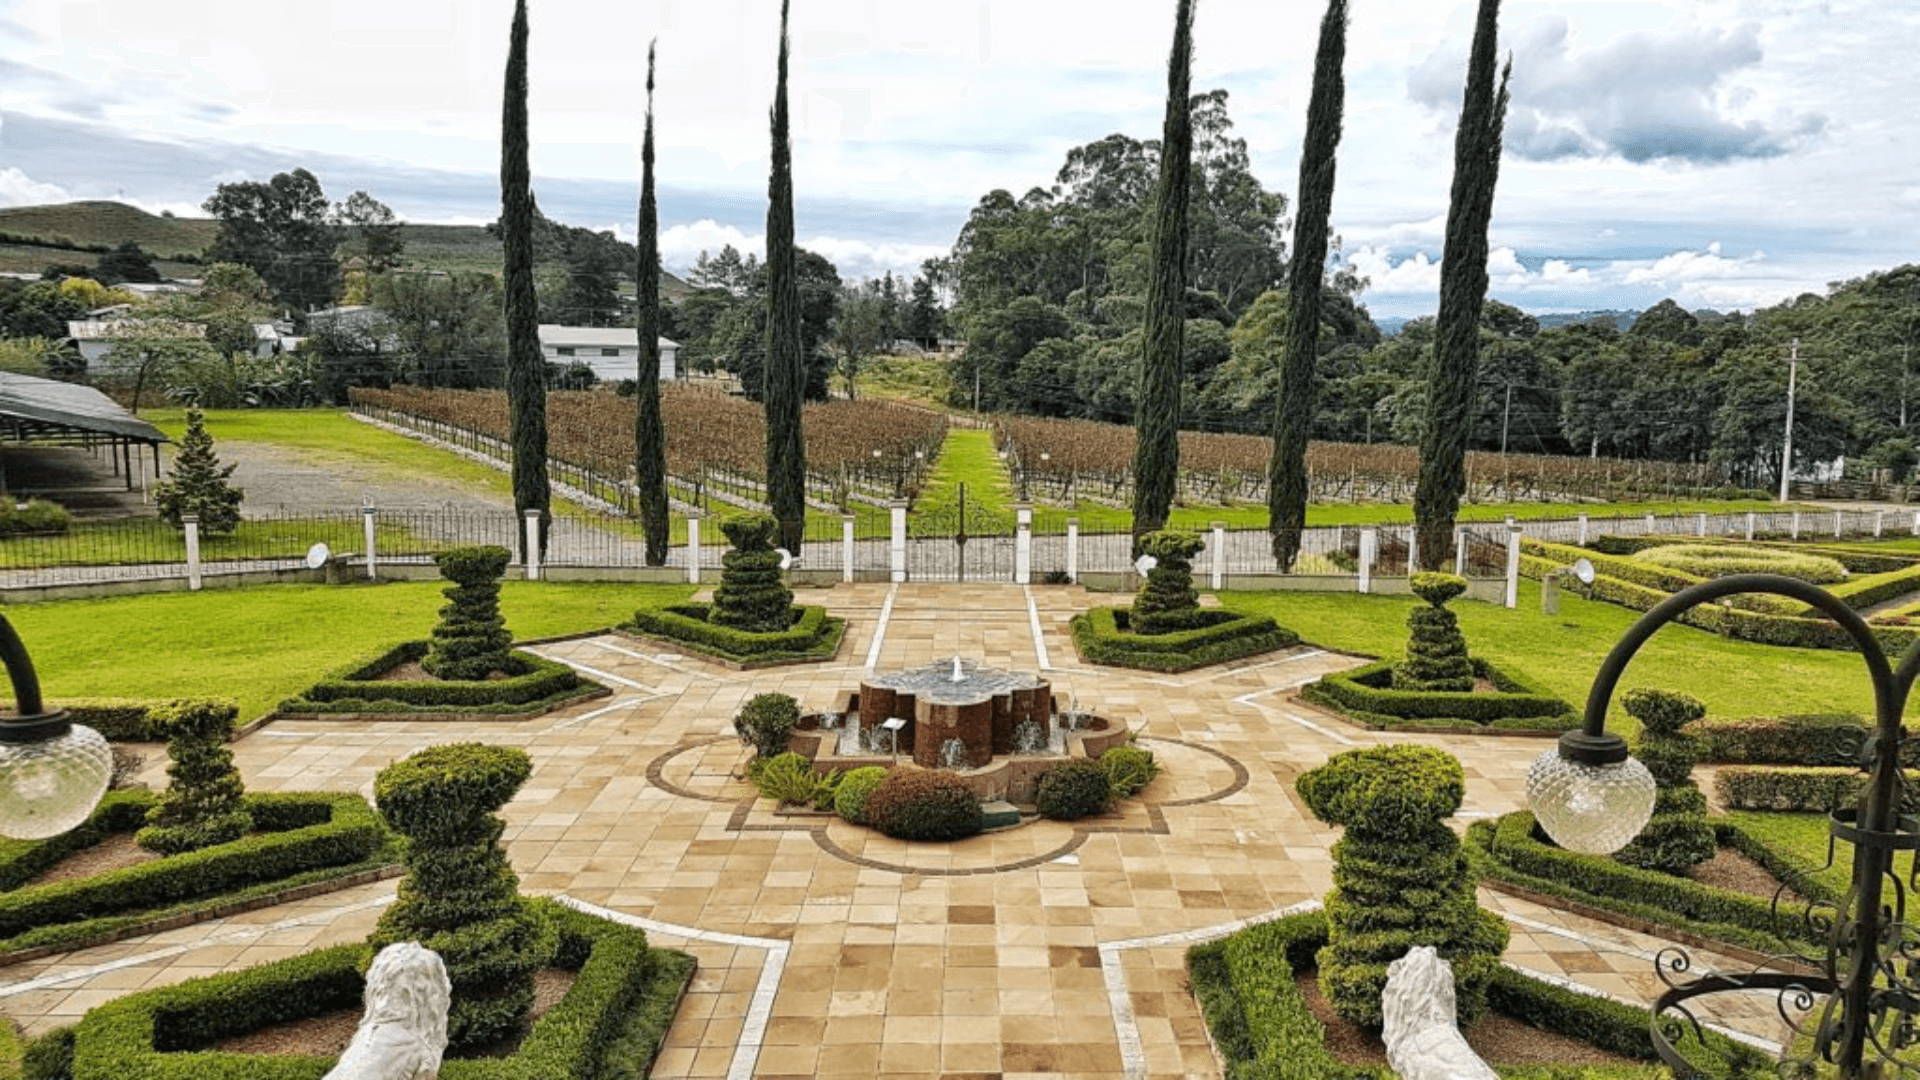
column 1839, row 519
column 846, row 544
column 1650, row 525
column 693, row 548
column 1513, row 565
column 192, row 524
column 533, row 545
column 1749, row 524
column 1369, row 550
column 1218, row 579
column 366, row 522
column 1023, row 544
column 1073, row 547
column 1460, row 551
column 1583, row 531
column 1796, row 525
column 897, row 547
column 1879, row 522
column 1700, row 528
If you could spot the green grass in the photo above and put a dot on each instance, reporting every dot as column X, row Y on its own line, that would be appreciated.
column 330, row 435
column 261, row 645
column 1564, row 651
column 133, row 541
column 966, row 457
column 1800, row 839
column 923, row 380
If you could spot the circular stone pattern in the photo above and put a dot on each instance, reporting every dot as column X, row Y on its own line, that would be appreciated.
column 1721, row 560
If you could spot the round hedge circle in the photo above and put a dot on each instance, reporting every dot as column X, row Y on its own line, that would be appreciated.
column 1721, row 560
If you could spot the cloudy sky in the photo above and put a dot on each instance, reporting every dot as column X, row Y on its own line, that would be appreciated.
column 1728, row 153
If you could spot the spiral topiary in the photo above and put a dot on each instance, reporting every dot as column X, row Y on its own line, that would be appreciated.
column 924, row 804
column 1678, row 836
column 1072, row 790
column 202, row 804
column 1400, row 878
column 460, row 898
column 1167, row 601
column 850, row 800
column 471, row 641
column 1437, row 651
column 751, row 595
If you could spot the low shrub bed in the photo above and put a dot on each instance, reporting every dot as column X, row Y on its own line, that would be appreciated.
column 1366, row 695
column 533, row 684
column 1510, row 849
column 1818, row 789
column 812, row 634
column 1805, row 739
column 608, row 1025
column 1723, row 560
column 1103, row 636
column 1260, row 1022
column 117, row 719
column 301, row 838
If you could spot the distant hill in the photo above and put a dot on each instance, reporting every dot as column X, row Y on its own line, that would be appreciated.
column 33, row 237
column 1622, row 320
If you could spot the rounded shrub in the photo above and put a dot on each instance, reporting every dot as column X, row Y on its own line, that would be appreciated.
column 1400, row 878
column 1128, row 769
column 202, row 805
column 1678, row 836
column 1720, row 560
column 924, row 804
column 1436, row 650
column 850, row 801
column 751, row 596
column 460, row 897
column 1072, row 790
column 471, row 640
column 1167, row 601
column 766, row 721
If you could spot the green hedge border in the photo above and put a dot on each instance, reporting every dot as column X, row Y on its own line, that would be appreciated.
column 814, row 635
column 541, row 684
column 619, row 1006
column 1505, row 849
column 1365, row 695
column 1264, row 1031
column 304, row 838
column 1100, row 640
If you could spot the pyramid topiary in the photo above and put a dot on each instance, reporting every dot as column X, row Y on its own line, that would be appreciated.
column 202, row 804
column 199, row 484
column 1437, row 651
column 471, row 641
column 1400, row 878
column 1678, row 835
column 1167, row 601
column 751, row 595
column 460, row 898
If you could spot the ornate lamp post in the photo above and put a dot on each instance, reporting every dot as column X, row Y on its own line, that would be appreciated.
column 52, row 773
column 1589, row 797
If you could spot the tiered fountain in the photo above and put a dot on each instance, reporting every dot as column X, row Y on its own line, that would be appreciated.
column 998, row 729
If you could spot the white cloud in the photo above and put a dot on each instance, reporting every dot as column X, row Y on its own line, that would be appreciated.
column 19, row 189
column 1681, row 267
column 1414, row 275
column 680, row 245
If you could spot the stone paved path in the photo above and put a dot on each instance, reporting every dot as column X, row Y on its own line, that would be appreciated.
column 825, row 950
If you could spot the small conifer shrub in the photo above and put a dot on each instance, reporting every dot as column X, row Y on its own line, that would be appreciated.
column 1167, row 601
column 751, row 595
column 1437, row 651
column 199, row 485
column 471, row 641
column 202, row 804
column 1678, row 836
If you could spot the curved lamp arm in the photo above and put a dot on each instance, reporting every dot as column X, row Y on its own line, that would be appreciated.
column 34, row 723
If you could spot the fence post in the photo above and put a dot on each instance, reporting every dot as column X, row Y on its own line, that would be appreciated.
column 1513, row 565
column 1796, row 524
column 1583, row 531
column 693, row 547
column 1650, row 525
column 1218, row 579
column 192, row 524
column 1369, row 550
column 1750, row 525
column 1701, row 528
column 1839, row 516
column 1023, row 544
column 1073, row 546
column 897, row 546
column 1879, row 522
column 366, row 521
column 1460, row 551
column 846, row 543
column 533, row 545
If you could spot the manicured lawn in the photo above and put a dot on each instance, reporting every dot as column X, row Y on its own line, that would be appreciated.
column 966, row 457
column 1802, row 840
column 1564, row 651
column 134, row 541
column 260, row 645
column 329, row 434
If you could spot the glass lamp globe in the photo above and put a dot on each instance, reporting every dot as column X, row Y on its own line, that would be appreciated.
column 49, row 786
column 1591, row 809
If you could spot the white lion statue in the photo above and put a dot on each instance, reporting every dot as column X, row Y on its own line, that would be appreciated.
column 404, row 1031
column 1423, row 1039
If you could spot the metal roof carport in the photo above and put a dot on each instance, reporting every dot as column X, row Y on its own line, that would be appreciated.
column 36, row 410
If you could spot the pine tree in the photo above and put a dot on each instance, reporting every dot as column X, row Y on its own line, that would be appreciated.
column 649, row 432
column 526, row 368
column 1293, row 412
column 1463, row 289
column 785, row 379
column 1156, row 458
column 199, row 484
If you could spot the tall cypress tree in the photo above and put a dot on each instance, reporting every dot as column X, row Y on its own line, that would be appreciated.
column 649, row 432
column 1293, row 412
column 1463, row 289
column 526, row 370
column 1156, row 454
column 785, row 373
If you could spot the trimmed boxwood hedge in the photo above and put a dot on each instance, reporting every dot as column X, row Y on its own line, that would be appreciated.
column 1801, row 739
column 608, row 1025
column 1722, row 560
column 1245, row 984
column 1817, row 789
column 302, row 838
column 1366, row 694
column 1102, row 637
column 812, row 635
column 534, row 684
column 1508, row 849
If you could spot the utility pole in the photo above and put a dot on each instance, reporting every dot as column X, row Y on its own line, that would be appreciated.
column 1506, row 418
column 1786, row 447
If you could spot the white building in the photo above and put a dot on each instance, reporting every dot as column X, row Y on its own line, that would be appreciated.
column 612, row 352
column 95, row 338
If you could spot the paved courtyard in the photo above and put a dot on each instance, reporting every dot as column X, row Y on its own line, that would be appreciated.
column 826, row 950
